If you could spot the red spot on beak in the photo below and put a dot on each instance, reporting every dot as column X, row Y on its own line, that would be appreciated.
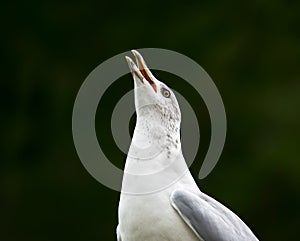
column 151, row 82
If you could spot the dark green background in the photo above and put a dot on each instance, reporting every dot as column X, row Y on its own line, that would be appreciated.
column 251, row 49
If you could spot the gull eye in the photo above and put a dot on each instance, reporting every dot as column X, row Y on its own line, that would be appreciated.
column 166, row 93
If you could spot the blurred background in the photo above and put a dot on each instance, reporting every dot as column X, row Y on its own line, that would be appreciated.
column 250, row 49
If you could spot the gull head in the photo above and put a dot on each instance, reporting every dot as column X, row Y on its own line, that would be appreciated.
column 155, row 102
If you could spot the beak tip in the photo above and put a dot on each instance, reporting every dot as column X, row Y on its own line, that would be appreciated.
column 136, row 54
column 130, row 62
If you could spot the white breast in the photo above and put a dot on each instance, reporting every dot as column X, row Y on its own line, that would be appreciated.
column 151, row 217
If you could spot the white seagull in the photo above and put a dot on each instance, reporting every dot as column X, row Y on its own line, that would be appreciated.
column 160, row 199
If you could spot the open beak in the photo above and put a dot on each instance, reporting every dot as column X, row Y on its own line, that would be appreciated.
column 141, row 71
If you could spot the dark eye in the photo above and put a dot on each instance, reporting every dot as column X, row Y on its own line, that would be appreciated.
column 166, row 93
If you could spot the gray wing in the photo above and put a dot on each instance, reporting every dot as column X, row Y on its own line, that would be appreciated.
column 209, row 219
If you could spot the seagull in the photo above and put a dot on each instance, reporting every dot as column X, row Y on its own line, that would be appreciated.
column 159, row 199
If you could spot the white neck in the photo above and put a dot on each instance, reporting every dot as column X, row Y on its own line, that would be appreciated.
column 154, row 143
